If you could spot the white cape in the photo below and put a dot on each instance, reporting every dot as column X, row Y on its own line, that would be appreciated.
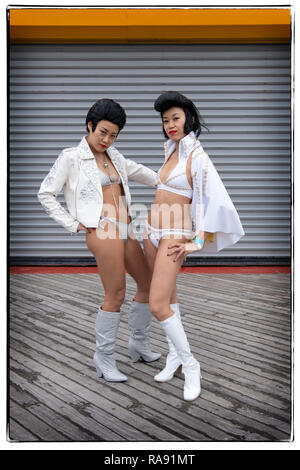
column 212, row 209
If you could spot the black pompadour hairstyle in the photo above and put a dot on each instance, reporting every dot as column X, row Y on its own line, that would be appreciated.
column 170, row 99
column 106, row 110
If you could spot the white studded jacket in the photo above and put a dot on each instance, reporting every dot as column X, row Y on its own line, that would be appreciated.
column 76, row 172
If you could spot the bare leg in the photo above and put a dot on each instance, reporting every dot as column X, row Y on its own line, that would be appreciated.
column 151, row 252
column 109, row 255
column 163, row 285
column 173, row 361
column 139, row 318
column 136, row 265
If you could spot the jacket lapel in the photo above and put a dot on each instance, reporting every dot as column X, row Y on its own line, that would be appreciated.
column 113, row 154
column 89, row 165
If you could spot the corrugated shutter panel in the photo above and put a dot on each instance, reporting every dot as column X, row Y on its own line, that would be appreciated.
column 242, row 91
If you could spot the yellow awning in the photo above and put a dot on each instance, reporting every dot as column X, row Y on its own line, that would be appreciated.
column 149, row 25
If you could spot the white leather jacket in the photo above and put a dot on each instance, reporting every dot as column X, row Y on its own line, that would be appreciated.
column 76, row 172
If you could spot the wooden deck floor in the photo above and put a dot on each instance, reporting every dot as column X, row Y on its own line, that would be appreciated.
column 239, row 329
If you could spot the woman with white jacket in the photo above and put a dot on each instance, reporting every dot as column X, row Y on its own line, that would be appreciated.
column 192, row 211
column 94, row 177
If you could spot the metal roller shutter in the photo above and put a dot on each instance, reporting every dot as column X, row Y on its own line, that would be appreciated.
column 242, row 91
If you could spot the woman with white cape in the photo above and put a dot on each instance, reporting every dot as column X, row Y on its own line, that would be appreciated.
column 192, row 211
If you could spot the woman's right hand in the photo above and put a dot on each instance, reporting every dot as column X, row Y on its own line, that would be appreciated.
column 82, row 227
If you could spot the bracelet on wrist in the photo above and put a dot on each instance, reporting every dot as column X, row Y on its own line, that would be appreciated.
column 198, row 241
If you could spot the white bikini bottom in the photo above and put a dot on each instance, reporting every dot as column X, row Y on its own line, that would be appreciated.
column 123, row 228
column 156, row 234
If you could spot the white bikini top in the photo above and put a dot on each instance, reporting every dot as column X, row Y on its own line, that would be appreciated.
column 106, row 181
column 177, row 181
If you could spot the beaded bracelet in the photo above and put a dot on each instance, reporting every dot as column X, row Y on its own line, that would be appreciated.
column 198, row 241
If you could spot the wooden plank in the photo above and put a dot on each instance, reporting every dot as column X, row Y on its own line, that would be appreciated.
column 137, row 406
column 54, row 403
column 218, row 323
column 41, row 428
column 228, row 426
column 17, row 433
column 160, row 342
column 245, row 376
column 39, row 324
column 204, row 314
column 113, row 403
column 238, row 326
column 243, row 321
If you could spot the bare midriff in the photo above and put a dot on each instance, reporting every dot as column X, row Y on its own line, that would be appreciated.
column 170, row 210
column 113, row 203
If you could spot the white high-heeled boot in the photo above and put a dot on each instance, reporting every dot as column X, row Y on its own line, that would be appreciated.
column 106, row 327
column 139, row 320
column 173, row 361
column 190, row 366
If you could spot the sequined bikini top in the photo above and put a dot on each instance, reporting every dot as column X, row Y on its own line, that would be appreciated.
column 106, row 181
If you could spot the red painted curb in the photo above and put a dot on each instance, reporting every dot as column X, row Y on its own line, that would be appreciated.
column 53, row 270
column 238, row 269
column 186, row 269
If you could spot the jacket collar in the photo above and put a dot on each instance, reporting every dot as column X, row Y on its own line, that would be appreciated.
column 186, row 146
column 84, row 149
column 89, row 165
column 86, row 153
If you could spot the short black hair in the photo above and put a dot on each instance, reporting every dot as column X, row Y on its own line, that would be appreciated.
column 106, row 110
column 169, row 99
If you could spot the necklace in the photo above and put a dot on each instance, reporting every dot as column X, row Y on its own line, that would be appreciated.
column 112, row 177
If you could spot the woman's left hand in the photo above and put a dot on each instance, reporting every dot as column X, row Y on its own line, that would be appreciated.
column 181, row 249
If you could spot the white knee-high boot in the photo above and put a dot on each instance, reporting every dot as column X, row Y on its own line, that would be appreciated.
column 139, row 320
column 173, row 361
column 174, row 331
column 106, row 327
